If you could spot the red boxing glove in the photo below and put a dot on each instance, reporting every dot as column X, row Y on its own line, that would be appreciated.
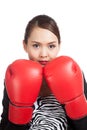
column 65, row 79
column 23, row 81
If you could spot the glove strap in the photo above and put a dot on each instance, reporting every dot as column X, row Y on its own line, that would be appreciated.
column 20, row 115
column 77, row 108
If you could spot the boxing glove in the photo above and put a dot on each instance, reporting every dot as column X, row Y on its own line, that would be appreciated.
column 64, row 77
column 23, row 80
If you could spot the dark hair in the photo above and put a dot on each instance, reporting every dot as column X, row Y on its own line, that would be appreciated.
column 42, row 21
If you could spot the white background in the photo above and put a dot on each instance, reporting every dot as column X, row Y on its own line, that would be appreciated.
column 71, row 16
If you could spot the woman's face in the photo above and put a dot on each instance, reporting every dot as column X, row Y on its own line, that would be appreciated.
column 42, row 45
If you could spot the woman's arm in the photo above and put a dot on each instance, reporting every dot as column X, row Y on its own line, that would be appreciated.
column 85, row 86
column 80, row 124
column 4, row 116
column 5, row 124
column 11, row 126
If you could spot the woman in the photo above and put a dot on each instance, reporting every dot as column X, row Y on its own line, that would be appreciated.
column 42, row 43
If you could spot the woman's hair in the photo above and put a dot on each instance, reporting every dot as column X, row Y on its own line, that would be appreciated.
column 42, row 21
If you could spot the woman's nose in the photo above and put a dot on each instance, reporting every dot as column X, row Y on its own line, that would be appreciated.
column 43, row 53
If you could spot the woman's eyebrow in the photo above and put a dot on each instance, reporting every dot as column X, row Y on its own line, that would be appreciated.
column 35, row 42
column 41, row 42
column 52, row 42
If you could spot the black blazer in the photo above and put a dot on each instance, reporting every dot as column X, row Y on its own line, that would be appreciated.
column 80, row 124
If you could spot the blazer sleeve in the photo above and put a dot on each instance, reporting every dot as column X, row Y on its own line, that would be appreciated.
column 5, row 124
column 4, row 115
column 80, row 124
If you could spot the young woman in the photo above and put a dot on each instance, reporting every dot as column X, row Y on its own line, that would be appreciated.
column 42, row 43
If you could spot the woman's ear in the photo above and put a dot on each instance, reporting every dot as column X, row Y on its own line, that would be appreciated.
column 59, row 46
column 25, row 46
column 59, row 49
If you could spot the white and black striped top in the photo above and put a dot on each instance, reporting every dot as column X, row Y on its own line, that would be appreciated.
column 48, row 115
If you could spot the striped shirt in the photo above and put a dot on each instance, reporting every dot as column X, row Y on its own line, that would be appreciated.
column 48, row 115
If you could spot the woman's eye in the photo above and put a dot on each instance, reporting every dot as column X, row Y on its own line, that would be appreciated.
column 36, row 46
column 52, row 46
